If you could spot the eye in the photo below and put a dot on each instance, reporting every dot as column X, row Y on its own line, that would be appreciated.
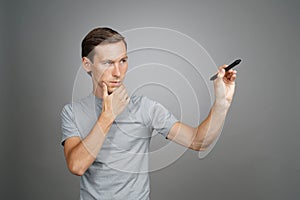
column 108, row 62
column 123, row 60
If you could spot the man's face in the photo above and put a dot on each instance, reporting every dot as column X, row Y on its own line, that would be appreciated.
column 110, row 65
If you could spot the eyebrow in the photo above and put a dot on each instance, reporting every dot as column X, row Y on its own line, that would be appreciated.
column 125, row 57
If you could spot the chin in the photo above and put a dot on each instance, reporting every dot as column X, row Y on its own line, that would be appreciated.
column 111, row 90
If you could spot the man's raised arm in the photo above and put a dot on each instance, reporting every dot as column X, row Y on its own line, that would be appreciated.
column 199, row 138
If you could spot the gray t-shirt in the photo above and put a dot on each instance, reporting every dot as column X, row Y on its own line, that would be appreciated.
column 120, row 170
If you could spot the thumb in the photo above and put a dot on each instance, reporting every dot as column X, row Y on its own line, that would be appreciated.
column 104, row 88
column 221, row 72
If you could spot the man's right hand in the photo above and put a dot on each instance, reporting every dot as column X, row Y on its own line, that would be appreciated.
column 80, row 154
column 113, row 104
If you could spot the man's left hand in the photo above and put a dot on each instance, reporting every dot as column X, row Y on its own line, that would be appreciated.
column 224, row 85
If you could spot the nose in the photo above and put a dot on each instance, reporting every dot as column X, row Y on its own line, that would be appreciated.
column 116, row 70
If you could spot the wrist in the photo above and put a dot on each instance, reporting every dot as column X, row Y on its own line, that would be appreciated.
column 104, row 122
column 106, row 117
column 221, row 106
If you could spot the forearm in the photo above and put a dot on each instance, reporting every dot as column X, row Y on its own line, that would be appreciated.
column 84, row 153
column 211, row 127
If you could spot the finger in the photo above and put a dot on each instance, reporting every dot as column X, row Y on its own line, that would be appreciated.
column 221, row 72
column 230, row 78
column 122, row 91
column 233, row 77
column 104, row 88
column 124, row 94
column 230, row 73
column 119, row 90
column 127, row 99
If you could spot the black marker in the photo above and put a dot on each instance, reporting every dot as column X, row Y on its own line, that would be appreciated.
column 232, row 65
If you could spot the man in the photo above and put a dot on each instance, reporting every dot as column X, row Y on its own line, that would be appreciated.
column 106, row 135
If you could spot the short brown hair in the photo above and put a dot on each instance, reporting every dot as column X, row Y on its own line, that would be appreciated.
column 97, row 36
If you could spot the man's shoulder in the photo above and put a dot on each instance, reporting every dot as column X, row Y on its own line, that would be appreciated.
column 141, row 100
column 82, row 102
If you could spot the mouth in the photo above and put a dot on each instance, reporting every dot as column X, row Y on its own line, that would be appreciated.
column 115, row 83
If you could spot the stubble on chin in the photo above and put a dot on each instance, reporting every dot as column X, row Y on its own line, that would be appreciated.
column 111, row 90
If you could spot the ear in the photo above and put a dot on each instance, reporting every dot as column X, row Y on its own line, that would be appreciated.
column 86, row 64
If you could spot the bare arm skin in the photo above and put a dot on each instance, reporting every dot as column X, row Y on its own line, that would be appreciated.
column 199, row 138
column 80, row 154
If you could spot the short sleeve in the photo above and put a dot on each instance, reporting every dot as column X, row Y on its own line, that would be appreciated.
column 68, row 125
column 161, row 119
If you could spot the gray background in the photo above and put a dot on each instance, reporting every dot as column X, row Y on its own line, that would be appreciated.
column 257, row 155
